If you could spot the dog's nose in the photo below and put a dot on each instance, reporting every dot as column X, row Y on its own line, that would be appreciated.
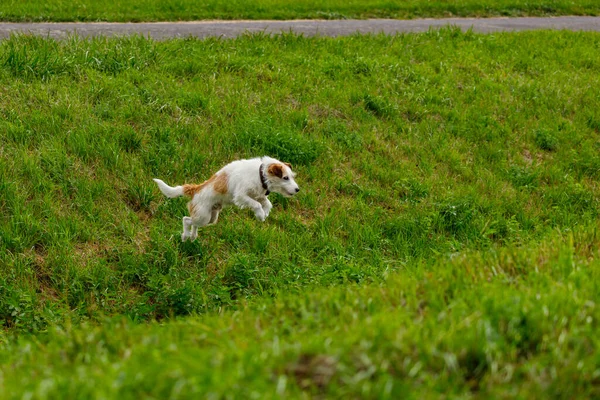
column 297, row 190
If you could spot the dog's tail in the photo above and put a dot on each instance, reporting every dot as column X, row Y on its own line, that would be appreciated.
column 168, row 190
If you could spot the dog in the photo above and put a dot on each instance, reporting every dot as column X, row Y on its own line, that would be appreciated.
column 245, row 183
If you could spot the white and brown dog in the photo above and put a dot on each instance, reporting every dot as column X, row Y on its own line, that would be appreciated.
column 245, row 183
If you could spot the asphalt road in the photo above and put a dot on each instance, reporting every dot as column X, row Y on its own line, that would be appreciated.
column 229, row 29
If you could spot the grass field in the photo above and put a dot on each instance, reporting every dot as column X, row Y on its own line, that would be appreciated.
column 186, row 10
column 445, row 239
column 520, row 322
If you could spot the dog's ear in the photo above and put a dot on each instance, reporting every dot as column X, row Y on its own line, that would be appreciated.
column 288, row 165
column 276, row 170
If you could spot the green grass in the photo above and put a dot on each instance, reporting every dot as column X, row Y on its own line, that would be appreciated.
column 186, row 10
column 520, row 322
column 445, row 239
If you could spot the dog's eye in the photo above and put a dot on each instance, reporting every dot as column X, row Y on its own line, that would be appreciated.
column 286, row 178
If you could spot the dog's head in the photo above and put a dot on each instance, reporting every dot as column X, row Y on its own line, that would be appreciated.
column 281, row 179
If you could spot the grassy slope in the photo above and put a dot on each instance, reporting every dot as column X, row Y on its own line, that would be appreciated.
column 408, row 149
column 405, row 147
column 152, row 10
column 512, row 323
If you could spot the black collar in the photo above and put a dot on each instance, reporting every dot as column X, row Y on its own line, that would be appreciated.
column 263, row 180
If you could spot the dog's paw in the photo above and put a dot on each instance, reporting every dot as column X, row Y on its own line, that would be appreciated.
column 260, row 215
column 184, row 237
column 267, row 211
column 267, row 208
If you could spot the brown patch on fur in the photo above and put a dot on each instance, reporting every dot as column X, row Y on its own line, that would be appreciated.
column 220, row 183
column 288, row 165
column 191, row 190
column 276, row 170
column 191, row 206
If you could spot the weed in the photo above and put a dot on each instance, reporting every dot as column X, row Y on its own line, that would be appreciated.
column 545, row 140
column 280, row 142
column 377, row 105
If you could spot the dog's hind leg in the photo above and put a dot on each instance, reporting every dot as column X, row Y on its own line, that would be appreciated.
column 214, row 215
column 187, row 225
column 194, row 233
column 201, row 217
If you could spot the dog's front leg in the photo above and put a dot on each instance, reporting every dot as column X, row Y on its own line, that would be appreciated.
column 244, row 201
column 266, row 205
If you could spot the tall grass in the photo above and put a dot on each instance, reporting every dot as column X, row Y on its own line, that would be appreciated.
column 518, row 321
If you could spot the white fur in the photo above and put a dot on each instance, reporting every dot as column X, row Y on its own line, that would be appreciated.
column 244, row 189
column 168, row 190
